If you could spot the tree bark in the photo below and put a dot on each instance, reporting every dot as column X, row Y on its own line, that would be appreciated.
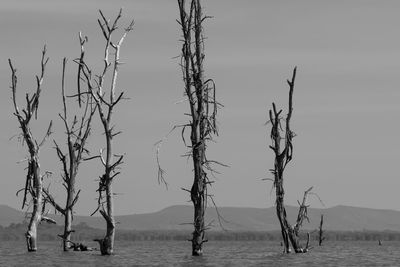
column 105, row 109
column 198, row 198
column 34, row 180
column 110, row 233
column 77, row 133
column 281, row 213
column 31, row 234
column 203, row 106
column 321, row 232
column 67, row 229
column 290, row 234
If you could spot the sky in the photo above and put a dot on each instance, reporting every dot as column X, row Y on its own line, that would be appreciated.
column 346, row 96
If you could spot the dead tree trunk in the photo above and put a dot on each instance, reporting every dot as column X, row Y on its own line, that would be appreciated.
column 34, row 180
column 105, row 108
column 290, row 235
column 203, row 109
column 77, row 133
column 320, row 231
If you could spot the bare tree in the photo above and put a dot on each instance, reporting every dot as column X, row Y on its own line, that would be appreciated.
column 96, row 87
column 33, row 190
column 200, row 93
column 282, row 158
column 77, row 133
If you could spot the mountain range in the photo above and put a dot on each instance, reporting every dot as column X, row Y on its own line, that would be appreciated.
column 338, row 218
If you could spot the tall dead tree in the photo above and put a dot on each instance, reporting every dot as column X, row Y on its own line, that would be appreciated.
column 105, row 107
column 290, row 234
column 200, row 94
column 77, row 133
column 33, row 190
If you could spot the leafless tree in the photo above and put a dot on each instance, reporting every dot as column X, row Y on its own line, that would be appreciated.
column 105, row 107
column 282, row 158
column 77, row 133
column 33, row 190
column 200, row 93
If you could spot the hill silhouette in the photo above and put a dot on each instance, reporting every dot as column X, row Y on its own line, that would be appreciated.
column 338, row 218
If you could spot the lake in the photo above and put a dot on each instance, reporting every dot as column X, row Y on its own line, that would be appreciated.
column 217, row 253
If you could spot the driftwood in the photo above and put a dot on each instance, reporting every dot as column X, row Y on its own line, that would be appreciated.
column 290, row 234
column 77, row 133
column 33, row 190
column 105, row 108
column 76, row 246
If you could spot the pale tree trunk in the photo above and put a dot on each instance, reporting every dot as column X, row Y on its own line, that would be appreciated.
column 31, row 234
column 67, row 229
column 77, row 133
column 107, row 244
column 109, row 216
column 34, row 180
column 105, row 108
column 68, row 210
column 69, row 206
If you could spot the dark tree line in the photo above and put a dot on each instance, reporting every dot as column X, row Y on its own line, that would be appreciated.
column 83, row 232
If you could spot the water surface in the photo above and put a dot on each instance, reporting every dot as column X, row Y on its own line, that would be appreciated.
column 217, row 253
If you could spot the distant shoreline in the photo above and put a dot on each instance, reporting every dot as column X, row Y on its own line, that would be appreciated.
column 15, row 232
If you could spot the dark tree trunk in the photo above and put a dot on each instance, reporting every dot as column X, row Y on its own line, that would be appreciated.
column 203, row 109
column 281, row 213
column 290, row 234
column 198, row 198
column 321, row 232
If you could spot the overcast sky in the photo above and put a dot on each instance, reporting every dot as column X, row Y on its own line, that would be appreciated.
column 346, row 98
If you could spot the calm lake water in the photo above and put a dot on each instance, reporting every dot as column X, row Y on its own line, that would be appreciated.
column 237, row 253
